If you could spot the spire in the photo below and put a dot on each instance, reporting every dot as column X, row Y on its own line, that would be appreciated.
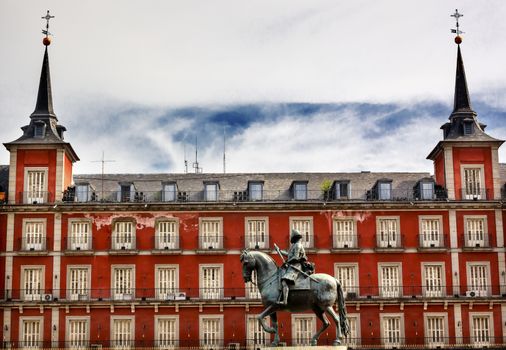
column 44, row 106
column 461, row 102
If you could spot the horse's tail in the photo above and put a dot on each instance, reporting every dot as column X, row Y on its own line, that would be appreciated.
column 343, row 319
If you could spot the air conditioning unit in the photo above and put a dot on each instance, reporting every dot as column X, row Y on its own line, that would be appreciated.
column 234, row 346
column 180, row 296
column 48, row 297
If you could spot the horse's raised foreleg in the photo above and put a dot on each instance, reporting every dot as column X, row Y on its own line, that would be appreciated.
column 261, row 318
column 335, row 317
column 326, row 323
column 274, row 323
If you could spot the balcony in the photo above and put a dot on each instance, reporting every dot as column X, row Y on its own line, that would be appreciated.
column 35, row 197
column 78, row 245
column 476, row 194
column 166, row 244
column 345, row 243
column 257, row 241
column 432, row 242
column 389, row 243
column 123, row 245
column 211, row 244
column 36, row 245
column 473, row 241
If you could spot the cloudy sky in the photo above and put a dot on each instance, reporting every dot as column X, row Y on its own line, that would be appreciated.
column 295, row 85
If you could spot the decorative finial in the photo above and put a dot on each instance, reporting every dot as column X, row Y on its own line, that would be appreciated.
column 47, row 40
column 458, row 38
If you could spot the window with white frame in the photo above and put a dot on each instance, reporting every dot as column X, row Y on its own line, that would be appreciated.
column 124, row 235
column 79, row 235
column 123, row 282
column 300, row 191
column 255, row 190
column 122, row 333
column 34, row 235
column 78, row 332
column 426, row 190
column 347, row 275
column 169, row 193
column 35, row 186
column 390, row 280
column 342, row 189
column 476, row 232
column 303, row 328
column 436, row 330
column 166, row 281
column 430, row 232
column 384, row 190
column 83, row 193
column 345, row 235
column 305, row 226
column 211, row 191
column 211, row 331
column 78, row 279
column 256, row 337
column 392, row 330
column 31, row 332
column 478, row 278
column 167, row 235
column 433, row 280
column 252, row 291
column 353, row 338
column 32, row 283
column 482, row 329
column 211, row 233
column 167, row 332
column 211, row 281
column 257, row 236
column 388, row 235
column 473, row 185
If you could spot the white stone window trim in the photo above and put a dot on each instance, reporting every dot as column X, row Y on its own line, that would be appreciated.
column 443, row 276
column 354, row 229
column 485, row 228
column 201, row 329
column 357, row 340
column 397, row 218
column 72, row 221
column 249, row 341
column 490, row 316
column 157, row 279
column 291, row 220
column 421, row 218
column 380, row 276
column 157, row 232
column 132, row 331
column 294, row 318
column 123, row 266
column 468, row 275
column 201, row 277
column 68, row 319
column 383, row 316
column 355, row 266
column 22, row 328
column 220, row 231
column 157, row 331
column 88, row 287
column 25, row 221
column 426, row 316
column 247, row 234
column 463, row 168
column 23, row 279
column 114, row 239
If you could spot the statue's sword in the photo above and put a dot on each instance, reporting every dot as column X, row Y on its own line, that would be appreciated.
column 294, row 267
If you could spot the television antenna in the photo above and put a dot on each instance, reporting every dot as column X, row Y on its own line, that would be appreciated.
column 103, row 161
column 198, row 170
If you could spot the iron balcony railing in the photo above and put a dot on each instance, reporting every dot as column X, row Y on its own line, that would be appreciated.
column 210, row 242
column 35, row 197
column 257, row 241
column 345, row 241
column 35, row 243
column 78, row 243
column 432, row 240
column 123, row 242
column 166, row 242
column 475, row 240
column 475, row 194
column 389, row 240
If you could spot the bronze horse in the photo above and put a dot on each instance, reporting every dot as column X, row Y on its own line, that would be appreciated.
column 324, row 292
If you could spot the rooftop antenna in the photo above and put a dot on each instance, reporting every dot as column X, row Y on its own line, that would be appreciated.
column 198, row 170
column 457, row 30
column 185, row 160
column 103, row 161
column 224, row 149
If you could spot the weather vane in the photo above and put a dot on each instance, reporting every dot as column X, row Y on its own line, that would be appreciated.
column 457, row 15
column 47, row 39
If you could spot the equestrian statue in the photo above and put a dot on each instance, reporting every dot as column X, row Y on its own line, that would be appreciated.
column 295, row 287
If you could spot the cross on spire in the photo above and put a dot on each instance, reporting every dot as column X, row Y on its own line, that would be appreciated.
column 47, row 17
column 457, row 15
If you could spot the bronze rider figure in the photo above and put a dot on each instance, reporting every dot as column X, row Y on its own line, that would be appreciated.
column 296, row 256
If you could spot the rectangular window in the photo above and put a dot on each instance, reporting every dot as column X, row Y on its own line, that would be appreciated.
column 385, row 190
column 211, row 192
column 431, row 235
column 388, row 235
column 126, row 193
column 435, row 331
column 427, row 190
column 255, row 191
column 78, row 279
column 167, row 285
column 124, row 235
column 33, row 283
column 257, row 236
column 353, row 338
column 167, row 332
column 211, row 332
column 345, row 235
column 476, row 233
column 472, row 183
column 211, row 233
column 211, row 282
column 300, row 191
column 122, row 333
column 169, row 193
column 305, row 227
column 347, row 275
column 433, row 280
column 392, row 332
column 303, row 329
column 79, row 235
column 342, row 190
column 252, row 291
column 255, row 337
column 390, row 281
column 35, row 186
column 123, row 280
column 31, row 333
column 83, row 193
column 481, row 330
column 34, row 235
column 478, row 279
column 167, row 235
column 78, row 333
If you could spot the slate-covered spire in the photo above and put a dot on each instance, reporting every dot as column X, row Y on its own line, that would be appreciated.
column 461, row 102
column 44, row 106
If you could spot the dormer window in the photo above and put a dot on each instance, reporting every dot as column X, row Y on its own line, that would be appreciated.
column 39, row 129
column 126, row 192
column 169, row 191
column 299, row 189
column 83, row 192
column 211, row 191
column 426, row 190
column 384, row 188
column 468, row 127
column 255, row 190
column 342, row 189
